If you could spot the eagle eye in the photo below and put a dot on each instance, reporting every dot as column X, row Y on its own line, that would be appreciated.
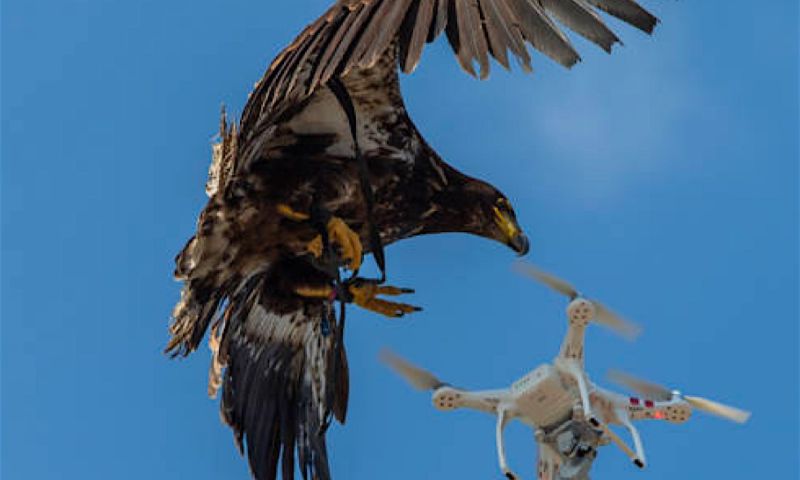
column 503, row 204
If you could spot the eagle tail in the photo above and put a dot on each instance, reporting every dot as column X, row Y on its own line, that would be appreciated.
column 282, row 371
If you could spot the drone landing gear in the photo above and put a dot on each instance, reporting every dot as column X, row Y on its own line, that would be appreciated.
column 502, row 421
column 639, row 461
column 570, row 367
column 636, row 457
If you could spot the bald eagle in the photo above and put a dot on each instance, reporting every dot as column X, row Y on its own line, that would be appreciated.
column 325, row 154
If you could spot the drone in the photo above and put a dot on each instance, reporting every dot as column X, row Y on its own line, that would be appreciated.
column 569, row 414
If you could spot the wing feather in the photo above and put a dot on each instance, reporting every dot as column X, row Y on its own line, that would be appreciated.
column 578, row 16
column 498, row 32
column 420, row 27
column 348, row 33
column 442, row 11
column 629, row 12
column 386, row 27
column 543, row 34
column 355, row 33
column 471, row 32
column 456, row 23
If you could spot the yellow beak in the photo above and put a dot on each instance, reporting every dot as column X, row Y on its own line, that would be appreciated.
column 514, row 237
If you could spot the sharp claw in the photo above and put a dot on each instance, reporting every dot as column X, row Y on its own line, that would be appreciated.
column 355, row 243
column 366, row 296
column 348, row 241
column 389, row 290
column 292, row 214
column 314, row 247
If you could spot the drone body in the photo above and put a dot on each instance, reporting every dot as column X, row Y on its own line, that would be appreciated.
column 569, row 414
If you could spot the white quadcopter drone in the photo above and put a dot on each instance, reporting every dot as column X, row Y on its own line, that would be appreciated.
column 559, row 397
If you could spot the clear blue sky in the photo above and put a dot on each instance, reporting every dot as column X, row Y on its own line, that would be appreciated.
column 662, row 179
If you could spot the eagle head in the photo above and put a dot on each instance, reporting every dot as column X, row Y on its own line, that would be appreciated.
column 466, row 204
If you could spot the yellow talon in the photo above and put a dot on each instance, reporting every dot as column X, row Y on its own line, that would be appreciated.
column 292, row 214
column 338, row 232
column 348, row 241
column 314, row 247
column 365, row 296
column 314, row 292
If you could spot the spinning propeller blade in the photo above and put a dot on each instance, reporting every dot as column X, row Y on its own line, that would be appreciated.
column 417, row 377
column 560, row 286
column 603, row 315
column 658, row 392
column 650, row 390
column 718, row 409
column 612, row 320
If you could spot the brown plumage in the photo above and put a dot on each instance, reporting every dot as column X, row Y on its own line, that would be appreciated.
column 276, row 354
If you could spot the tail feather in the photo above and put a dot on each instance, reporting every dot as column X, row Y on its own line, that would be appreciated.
column 282, row 372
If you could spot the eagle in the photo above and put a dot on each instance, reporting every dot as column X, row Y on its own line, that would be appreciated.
column 323, row 167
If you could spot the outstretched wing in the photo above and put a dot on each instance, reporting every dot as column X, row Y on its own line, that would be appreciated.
column 356, row 33
column 281, row 370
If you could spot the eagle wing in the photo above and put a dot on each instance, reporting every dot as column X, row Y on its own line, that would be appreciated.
column 284, row 371
column 354, row 34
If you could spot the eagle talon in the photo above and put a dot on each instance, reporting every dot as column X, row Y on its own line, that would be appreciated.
column 338, row 232
column 292, row 214
column 364, row 294
column 348, row 241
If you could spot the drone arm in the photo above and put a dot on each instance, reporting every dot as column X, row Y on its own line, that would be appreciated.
column 449, row 398
column 488, row 401
column 572, row 345
column 623, row 416
column 502, row 420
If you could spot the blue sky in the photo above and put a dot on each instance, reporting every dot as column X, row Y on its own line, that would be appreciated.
column 661, row 179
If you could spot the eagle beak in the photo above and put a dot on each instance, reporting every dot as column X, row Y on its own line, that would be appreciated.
column 520, row 244
column 513, row 236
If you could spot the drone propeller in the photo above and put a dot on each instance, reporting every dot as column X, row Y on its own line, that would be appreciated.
column 650, row 390
column 603, row 315
column 561, row 286
column 417, row 377
column 718, row 409
column 658, row 392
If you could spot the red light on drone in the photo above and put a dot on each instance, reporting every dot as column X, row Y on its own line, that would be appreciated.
column 648, row 403
column 634, row 401
column 658, row 415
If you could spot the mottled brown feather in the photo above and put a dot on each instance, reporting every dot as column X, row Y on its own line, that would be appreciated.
column 354, row 33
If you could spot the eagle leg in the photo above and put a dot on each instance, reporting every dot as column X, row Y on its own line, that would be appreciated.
column 337, row 231
column 365, row 295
